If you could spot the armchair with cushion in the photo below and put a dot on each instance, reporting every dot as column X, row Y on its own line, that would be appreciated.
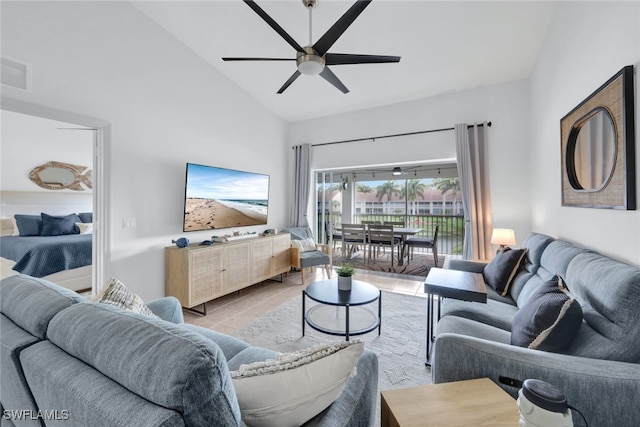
column 305, row 252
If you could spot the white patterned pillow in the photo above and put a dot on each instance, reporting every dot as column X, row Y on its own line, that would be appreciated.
column 295, row 387
column 305, row 245
column 116, row 293
column 85, row 227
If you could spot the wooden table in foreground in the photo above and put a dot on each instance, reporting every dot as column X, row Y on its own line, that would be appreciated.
column 477, row 402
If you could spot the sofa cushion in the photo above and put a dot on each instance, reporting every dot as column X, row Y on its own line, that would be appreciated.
column 554, row 260
column 494, row 313
column 31, row 303
column 82, row 396
column 549, row 321
column 163, row 363
column 609, row 292
column 535, row 244
column 290, row 390
column 502, row 269
column 115, row 293
column 14, row 390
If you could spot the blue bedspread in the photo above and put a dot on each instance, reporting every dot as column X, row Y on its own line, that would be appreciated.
column 39, row 256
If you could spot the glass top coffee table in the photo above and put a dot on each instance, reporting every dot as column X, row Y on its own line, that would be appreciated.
column 355, row 319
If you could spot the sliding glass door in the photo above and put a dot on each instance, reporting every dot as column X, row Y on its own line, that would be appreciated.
column 329, row 188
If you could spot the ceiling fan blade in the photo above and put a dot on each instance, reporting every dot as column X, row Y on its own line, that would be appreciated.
column 273, row 24
column 347, row 58
column 291, row 80
column 258, row 59
column 328, row 75
column 329, row 38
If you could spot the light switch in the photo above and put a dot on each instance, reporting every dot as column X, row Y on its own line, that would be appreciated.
column 128, row 223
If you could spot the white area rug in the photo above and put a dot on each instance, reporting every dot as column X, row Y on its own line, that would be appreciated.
column 400, row 347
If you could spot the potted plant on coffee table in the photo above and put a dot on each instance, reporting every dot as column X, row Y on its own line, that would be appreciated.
column 345, row 271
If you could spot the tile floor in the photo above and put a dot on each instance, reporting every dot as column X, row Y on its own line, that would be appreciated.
column 233, row 311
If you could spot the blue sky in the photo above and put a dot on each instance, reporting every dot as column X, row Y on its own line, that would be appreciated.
column 217, row 183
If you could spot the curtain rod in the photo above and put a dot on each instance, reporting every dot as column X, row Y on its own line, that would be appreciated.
column 391, row 136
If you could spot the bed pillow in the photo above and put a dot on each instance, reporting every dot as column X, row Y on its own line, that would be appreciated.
column 59, row 225
column 8, row 227
column 115, row 293
column 502, row 269
column 85, row 228
column 295, row 387
column 29, row 225
column 550, row 320
column 86, row 217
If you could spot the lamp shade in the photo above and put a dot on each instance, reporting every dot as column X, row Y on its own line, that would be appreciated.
column 503, row 237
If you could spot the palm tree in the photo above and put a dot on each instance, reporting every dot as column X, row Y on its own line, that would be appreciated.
column 363, row 188
column 388, row 189
column 446, row 185
column 411, row 190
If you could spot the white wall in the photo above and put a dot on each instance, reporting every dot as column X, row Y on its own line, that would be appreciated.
column 28, row 142
column 587, row 43
column 505, row 105
column 166, row 107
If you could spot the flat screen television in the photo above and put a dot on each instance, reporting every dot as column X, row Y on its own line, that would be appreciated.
column 224, row 198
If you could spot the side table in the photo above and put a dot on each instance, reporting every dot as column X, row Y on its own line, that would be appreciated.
column 478, row 402
column 456, row 284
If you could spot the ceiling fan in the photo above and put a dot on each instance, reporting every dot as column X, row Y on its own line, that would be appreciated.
column 314, row 58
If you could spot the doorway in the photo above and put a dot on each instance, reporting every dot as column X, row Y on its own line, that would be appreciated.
column 97, row 132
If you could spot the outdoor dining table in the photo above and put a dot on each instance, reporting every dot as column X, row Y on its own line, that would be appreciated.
column 403, row 232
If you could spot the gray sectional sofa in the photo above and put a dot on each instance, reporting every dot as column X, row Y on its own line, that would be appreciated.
column 599, row 372
column 67, row 361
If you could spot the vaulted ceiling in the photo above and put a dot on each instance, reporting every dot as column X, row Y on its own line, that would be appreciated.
column 446, row 46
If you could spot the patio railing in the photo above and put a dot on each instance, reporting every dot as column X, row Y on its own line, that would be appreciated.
column 450, row 233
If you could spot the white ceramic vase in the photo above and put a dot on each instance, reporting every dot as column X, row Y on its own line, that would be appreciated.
column 344, row 283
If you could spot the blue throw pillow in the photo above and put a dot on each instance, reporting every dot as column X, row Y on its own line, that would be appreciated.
column 86, row 217
column 29, row 225
column 550, row 320
column 59, row 225
column 502, row 269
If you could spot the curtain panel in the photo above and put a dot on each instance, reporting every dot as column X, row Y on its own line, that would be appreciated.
column 301, row 184
column 473, row 169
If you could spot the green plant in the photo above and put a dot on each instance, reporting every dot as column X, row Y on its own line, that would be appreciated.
column 345, row 270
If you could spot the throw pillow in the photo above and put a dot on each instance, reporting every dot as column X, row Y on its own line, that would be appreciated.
column 59, row 225
column 550, row 320
column 116, row 293
column 502, row 269
column 85, row 228
column 295, row 387
column 305, row 245
column 28, row 225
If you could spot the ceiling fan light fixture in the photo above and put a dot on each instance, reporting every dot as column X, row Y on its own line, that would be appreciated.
column 397, row 171
column 310, row 63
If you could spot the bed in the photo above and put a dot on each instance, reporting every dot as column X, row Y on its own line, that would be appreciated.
column 62, row 259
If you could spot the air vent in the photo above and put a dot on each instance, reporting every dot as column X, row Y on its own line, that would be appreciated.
column 16, row 74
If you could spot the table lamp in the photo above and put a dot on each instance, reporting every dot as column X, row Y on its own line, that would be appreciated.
column 503, row 237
